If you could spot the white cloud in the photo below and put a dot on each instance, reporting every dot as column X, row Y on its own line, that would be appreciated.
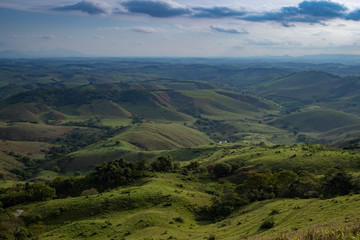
column 98, row 37
column 141, row 29
column 47, row 37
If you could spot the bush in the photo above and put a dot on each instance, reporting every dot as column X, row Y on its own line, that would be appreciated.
column 211, row 237
column 268, row 223
column 88, row 192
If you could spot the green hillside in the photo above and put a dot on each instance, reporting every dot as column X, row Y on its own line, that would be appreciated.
column 151, row 137
column 139, row 141
column 320, row 120
column 170, row 204
column 25, row 112
column 103, row 108
column 226, row 105
column 31, row 132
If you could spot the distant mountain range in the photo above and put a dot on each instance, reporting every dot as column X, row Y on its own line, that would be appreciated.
column 54, row 53
column 351, row 59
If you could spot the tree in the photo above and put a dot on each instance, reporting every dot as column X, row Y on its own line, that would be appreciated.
column 259, row 186
column 113, row 174
column 337, row 182
column 282, row 181
column 162, row 164
column 221, row 170
column 39, row 191
column 305, row 186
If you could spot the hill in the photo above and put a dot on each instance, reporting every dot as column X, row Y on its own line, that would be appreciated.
column 172, row 203
column 320, row 120
column 31, row 132
column 139, row 141
column 213, row 149
column 151, row 137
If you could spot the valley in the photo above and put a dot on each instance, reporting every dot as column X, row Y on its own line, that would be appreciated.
column 283, row 136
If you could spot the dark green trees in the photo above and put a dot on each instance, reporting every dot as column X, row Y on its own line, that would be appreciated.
column 221, row 169
column 113, row 174
column 162, row 164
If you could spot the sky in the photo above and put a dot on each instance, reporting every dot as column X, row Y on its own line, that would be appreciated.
column 181, row 28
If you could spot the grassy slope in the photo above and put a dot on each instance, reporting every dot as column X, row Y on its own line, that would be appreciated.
column 33, row 150
column 296, row 157
column 301, row 86
column 219, row 106
column 149, row 136
column 143, row 212
column 23, row 111
column 30, row 132
column 103, row 108
column 141, row 140
column 255, row 132
column 318, row 120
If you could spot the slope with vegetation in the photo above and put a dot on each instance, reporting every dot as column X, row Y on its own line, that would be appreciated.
column 231, row 198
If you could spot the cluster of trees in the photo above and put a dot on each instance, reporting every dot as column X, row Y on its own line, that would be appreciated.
column 286, row 183
column 78, row 139
column 105, row 176
column 31, row 165
column 282, row 184
column 27, row 192
column 252, row 186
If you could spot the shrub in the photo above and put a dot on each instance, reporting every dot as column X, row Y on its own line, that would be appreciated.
column 268, row 223
column 211, row 237
column 88, row 192
column 179, row 219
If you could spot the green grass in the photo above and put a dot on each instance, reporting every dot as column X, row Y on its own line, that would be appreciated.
column 46, row 175
column 115, row 122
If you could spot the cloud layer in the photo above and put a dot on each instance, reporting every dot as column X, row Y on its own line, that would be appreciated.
column 308, row 11
column 155, row 8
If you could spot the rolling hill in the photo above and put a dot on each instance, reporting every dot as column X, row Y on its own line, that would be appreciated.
column 67, row 125
column 320, row 120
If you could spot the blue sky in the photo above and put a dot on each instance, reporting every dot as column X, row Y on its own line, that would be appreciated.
column 201, row 28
